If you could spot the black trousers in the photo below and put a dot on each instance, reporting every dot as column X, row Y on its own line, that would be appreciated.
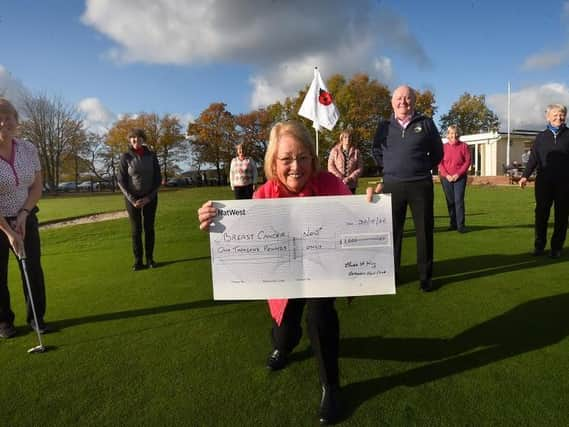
column 323, row 331
column 142, row 218
column 548, row 193
column 32, row 246
column 243, row 192
column 419, row 196
column 454, row 194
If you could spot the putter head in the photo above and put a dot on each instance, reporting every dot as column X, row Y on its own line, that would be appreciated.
column 37, row 349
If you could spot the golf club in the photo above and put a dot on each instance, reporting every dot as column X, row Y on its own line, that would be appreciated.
column 39, row 348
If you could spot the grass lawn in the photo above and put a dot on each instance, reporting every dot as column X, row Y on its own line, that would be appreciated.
column 151, row 348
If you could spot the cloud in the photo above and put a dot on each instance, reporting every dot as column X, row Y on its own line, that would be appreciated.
column 384, row 69
column 546, row 60
column 528, row 105
column 11, row 88
column 185, row 119
column 98, row 118
column 282, row 39
column 288, row 77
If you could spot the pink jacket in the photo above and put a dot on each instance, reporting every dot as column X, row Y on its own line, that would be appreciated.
column 323, row 184
column 456, row 159
column 355, row 164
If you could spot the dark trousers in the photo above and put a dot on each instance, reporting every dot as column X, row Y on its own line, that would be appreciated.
column 139, row 218
column 243, row 192
column 419, row 196
column 454, row 193
column 32, row 246
column 323, row 331
column 547, row 193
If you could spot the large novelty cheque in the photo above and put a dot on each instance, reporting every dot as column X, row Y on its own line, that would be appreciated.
column 302, row 247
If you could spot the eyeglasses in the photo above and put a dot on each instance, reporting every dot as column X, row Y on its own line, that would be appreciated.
column 302, row 159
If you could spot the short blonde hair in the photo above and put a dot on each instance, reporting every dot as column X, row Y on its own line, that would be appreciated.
column 454, row 128
column 8, row 107
column 296, row 130
column 552, row 107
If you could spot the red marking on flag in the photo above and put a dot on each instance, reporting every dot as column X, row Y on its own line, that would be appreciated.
column 325, row 98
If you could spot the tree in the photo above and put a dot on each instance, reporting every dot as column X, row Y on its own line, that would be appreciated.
column 73, row 163
column 169, row 147
column 471, row 115
column 100, row 157
column 213, row 136
column 425, row 103
column 253, row 129
column 362, row 102
column 53, row 127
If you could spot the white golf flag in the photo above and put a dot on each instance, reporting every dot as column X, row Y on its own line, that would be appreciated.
column 318, row 105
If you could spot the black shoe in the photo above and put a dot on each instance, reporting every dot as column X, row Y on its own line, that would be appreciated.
column 42, row 329
column 329, row 406
column 138, row 266
column 555, row 253
column 462, row 230
column 538, row 252
column 277, row 360
column 427, row 285
column 151, row 263
column 7, row 330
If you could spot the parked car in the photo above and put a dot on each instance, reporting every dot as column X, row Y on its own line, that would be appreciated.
column 67, row 186
column 177, row 182
column 87, row 186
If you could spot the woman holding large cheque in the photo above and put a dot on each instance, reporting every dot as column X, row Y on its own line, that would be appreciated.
column 291, row 168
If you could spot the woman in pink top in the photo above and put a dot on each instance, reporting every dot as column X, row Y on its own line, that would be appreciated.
column 452, row 172
column 291, row 168
column 345, row 161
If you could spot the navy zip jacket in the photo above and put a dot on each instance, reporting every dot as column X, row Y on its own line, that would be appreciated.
column 407, row 154
column 550, row 155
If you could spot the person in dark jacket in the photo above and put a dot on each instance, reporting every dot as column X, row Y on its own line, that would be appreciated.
column 550, row 156
column 406, row 148
column 139, row 180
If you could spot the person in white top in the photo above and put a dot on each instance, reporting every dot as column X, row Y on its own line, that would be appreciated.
column 20, row 190
column 242, row 174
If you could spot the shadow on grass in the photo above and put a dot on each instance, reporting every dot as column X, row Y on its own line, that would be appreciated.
column 176, row 261
column 540, row 323
column 474, row 229
column 467, row 268
column 66, row 323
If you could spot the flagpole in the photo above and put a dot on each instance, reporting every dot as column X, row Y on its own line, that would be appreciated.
column 316, row 120
column 509, row 115
column 316, row 143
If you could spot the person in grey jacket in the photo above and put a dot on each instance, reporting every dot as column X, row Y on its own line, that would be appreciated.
column 139, row 179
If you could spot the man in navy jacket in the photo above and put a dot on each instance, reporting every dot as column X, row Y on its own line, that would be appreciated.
column 406, row 148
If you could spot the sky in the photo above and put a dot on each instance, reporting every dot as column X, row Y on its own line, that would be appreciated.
column 115, row 57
